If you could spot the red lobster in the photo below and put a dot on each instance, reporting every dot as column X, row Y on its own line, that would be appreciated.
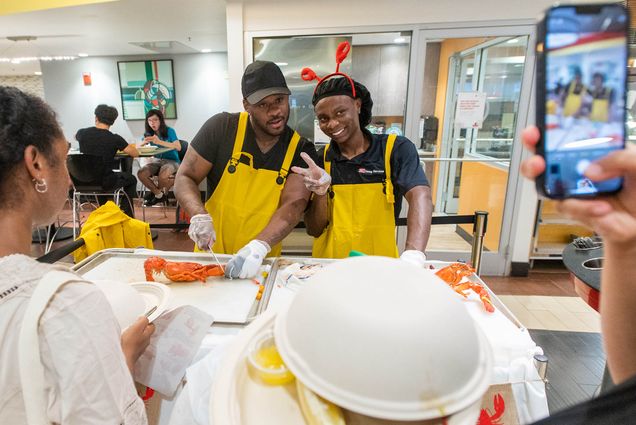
column 485, row 418
column 180, row 271
column 453, row 275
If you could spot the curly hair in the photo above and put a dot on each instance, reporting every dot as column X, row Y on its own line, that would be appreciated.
column 25, row 120
column 106, row 114
column 341, row 86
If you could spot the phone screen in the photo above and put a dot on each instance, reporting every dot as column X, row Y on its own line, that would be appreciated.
column 585, row 72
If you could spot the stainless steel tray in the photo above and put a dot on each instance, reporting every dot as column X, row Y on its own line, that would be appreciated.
column 116, row 255
column 280, row 263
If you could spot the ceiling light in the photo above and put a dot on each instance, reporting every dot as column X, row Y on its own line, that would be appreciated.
column 282, row 63
column 37, row 58
column 38, row 72
column 206, row 50
column 512, row 41
column 399, row 40
column 82, row 55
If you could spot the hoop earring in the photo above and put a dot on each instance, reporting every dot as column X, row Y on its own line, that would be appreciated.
column 41, row 186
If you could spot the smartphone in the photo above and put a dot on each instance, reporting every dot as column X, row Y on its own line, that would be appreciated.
column 581, row 89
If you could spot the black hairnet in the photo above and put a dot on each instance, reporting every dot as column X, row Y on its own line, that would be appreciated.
column 338, row 86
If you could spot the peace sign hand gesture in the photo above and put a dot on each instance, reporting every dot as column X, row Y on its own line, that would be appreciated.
column 316, row 179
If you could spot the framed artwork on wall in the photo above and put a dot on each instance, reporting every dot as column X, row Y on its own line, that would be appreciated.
column 146, row 85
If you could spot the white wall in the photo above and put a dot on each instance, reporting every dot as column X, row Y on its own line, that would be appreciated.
column 201, row 87
column 289, row 14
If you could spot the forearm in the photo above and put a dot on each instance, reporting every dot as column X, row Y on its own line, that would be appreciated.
column 618, row 298
column 283, row 222
column 317, row 216
column 418, row 220
column 187, row 193
column 174, row 145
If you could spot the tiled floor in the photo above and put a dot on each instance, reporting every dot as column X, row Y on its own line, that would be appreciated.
column 553, row 313
column 575, row 366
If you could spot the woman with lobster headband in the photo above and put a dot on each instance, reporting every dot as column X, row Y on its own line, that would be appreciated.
column 358, row 183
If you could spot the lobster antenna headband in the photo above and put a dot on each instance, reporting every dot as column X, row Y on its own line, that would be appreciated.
column 342, row 51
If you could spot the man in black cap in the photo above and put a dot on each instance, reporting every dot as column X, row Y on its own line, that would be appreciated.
column 254, row 199
column 100, row 141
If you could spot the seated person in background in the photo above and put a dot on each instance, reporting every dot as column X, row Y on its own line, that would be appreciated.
column 99, row 141
column 87, row 361
column 614, row 219
column 360, row 179
column 164, row 165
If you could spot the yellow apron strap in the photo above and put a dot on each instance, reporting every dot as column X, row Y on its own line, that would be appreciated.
column 239, row 138
column 327, row 163
column 289, row 156
column 388, row 185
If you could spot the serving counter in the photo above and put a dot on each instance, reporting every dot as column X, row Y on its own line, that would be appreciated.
column 233, row 304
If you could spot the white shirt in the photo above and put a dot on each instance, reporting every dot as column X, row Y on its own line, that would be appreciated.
column 84, row 367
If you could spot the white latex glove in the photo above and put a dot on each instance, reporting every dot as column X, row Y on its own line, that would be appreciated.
column 246, row 262
column 201, row 231
column 413, row 256
column 316, row 179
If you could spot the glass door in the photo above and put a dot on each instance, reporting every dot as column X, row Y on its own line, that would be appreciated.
column 475, row 168
column 496, row 69
column 462, row 70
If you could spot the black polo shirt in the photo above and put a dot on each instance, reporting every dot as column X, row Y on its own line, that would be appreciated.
column 215, row 141
column 368, row 167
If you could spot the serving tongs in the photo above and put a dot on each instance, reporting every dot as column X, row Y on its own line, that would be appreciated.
column 210, row 251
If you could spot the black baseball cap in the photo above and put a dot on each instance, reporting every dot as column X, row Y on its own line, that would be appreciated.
column 262, row 79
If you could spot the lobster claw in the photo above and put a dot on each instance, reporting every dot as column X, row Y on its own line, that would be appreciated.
column 499, row 405
column 342, row 51
column 308, row 74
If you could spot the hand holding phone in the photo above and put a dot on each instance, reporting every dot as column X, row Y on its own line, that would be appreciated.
column 581, row 87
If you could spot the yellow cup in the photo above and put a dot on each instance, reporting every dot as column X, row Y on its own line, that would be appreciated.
column 265, row 361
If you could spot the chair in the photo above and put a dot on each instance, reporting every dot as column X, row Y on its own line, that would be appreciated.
column 86, row 173
column 184, row 147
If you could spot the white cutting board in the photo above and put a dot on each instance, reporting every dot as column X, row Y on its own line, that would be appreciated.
column 226, row 300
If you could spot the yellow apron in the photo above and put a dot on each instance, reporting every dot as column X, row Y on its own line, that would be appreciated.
column 245, row 199
column 361, row 216
column 600, row 107
column 572, row 100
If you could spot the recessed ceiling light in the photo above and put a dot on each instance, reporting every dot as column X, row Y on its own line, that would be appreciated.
column 206, row 50
column 37, row 58
column 82, row 55
column 282, row 63
column 512, row 41
column 38, row 72
column 399, row 40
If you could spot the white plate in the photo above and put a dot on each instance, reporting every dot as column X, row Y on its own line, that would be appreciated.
column 239, row 398
column 154, row 294
column 127, row 303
